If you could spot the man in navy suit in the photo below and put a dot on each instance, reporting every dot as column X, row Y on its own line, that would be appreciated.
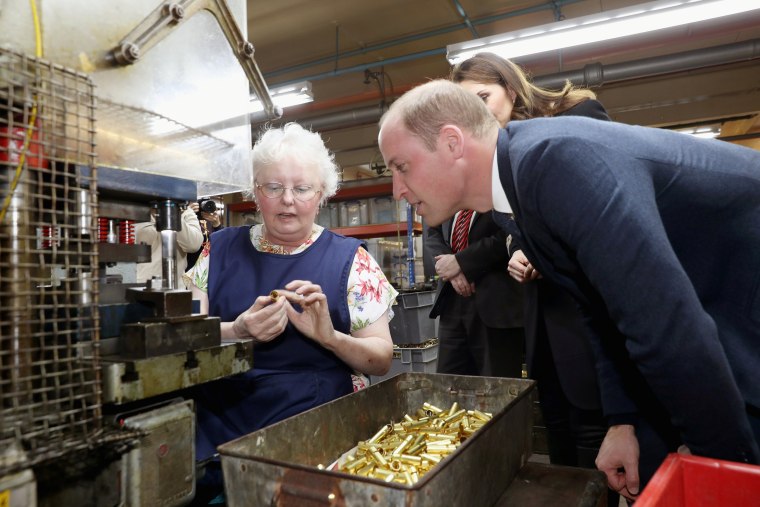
column 657, row 236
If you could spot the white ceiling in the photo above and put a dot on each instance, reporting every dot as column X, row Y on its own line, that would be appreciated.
column 332, row 43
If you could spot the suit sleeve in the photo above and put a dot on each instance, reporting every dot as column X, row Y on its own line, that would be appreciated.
column 484, row 255
column 435, row 242
column 611, row 224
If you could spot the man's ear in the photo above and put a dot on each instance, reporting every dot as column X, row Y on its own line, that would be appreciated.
column 452, row 140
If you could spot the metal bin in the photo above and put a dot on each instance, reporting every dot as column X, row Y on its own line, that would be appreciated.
column 278, row 465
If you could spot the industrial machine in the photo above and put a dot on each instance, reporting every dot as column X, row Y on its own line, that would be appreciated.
column 109, row 110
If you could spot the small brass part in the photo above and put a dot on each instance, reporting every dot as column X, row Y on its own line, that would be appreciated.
column 274, row 295
column 431, row 457
column 416, row 448
column 355, row 465
column 386, row 475
column 455, row 416
column 379, row 459
column 481, row 415
column 380, row 434
column 454, row 408
column 432, row 408
column 366, row 470
column 409, row 459
column 403, row 445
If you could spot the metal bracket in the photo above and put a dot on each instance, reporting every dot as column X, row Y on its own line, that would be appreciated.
column 166, row 16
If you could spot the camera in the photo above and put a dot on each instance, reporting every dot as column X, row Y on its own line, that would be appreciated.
column 207, row 205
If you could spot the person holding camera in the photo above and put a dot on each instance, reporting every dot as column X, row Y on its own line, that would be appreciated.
column 208, row 215
column 189, row 239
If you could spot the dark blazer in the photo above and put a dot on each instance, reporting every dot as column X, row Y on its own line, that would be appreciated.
column 498, row 297
column 552, row 314
column 657, row 235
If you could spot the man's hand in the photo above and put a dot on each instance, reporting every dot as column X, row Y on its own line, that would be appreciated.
column 462, row 286
column 618, row 458
column 448, row 270
column 521, row 269
column 212, row 218
column 447, row 267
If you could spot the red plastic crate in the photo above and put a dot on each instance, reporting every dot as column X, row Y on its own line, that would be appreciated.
column 694, row 481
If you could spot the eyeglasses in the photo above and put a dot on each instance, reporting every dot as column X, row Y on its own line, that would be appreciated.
column 275, row 190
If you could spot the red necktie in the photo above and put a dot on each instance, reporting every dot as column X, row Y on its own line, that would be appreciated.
column 461, row 229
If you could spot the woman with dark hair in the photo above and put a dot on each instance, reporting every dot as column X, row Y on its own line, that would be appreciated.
column 558, row 354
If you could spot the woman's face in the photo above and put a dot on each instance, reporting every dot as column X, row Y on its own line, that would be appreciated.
column 496, row 98
column 288, row 219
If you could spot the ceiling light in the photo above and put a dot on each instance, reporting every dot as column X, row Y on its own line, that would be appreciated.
column 605, row 25
column 286, row 96
column 704, row 132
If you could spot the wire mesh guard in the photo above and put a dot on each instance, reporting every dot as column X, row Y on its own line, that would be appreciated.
column 50, row 402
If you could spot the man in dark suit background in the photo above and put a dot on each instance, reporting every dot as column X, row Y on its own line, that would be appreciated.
column 654, row 233
column 480, row 305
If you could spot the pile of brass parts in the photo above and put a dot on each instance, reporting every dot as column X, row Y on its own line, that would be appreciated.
column 403, row 452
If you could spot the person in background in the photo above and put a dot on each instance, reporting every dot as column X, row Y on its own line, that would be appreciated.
column 480, row 307
column 559, row 355
column 210, row 222
column 653, row 232
column 330, row 313
column 189, row 239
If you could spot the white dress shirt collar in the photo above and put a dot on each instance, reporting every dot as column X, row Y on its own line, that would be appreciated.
column 500, row 201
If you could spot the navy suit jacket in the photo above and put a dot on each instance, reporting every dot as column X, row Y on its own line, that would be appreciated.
column 657, row 235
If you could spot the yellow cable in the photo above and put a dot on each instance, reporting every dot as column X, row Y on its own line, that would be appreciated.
column 33, row 119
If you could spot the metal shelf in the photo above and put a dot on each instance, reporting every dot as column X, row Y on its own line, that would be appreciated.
column 377, row 230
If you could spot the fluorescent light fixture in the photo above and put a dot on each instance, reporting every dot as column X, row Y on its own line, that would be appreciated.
column 603, row 26
column 704, row 132
column 286, row 96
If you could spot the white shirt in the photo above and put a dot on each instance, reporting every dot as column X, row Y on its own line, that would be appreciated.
column 499, row 196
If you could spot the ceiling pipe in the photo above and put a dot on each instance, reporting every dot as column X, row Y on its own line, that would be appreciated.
column 595, row 74
column 466, row 19
column 412, row 38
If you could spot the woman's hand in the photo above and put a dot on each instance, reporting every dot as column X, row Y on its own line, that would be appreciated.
column 314, row 320
column 264, row 321
column 521, row 269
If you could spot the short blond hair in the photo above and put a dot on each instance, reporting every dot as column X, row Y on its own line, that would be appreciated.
column 425, row 109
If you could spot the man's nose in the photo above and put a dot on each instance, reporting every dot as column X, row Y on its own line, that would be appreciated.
column 399, row 189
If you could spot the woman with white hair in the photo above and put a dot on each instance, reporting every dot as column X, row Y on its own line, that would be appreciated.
column 328, row 316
